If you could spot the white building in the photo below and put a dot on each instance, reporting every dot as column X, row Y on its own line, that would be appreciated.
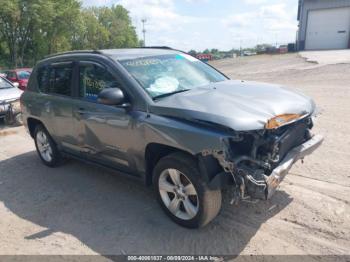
column 323, row 24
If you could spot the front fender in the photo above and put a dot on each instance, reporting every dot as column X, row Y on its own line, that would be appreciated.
column 187, row 137
column 184, row 135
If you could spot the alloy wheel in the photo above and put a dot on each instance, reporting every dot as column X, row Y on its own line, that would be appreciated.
column 178, row 194
column 44, row 146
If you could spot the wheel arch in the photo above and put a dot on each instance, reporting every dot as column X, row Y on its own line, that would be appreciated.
column 208, row 166
column 154, row 152
column 32, row 124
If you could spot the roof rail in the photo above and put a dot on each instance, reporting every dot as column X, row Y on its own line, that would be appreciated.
column 165, row 47
column 74, row 52
column 158, row 47
column 101, row 53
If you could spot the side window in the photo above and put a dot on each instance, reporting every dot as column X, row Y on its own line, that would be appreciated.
column 60, row 80
column 93, row 78
column 43, row 79
column 55, row 80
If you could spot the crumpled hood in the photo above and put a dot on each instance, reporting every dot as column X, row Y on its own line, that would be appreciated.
column 10, row 94
column 236, row 104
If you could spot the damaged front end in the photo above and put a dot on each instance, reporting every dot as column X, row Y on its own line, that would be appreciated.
column 258, row 161
column 10, row 110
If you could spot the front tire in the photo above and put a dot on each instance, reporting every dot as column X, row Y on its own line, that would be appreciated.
column 182, row 192
column 46, row 147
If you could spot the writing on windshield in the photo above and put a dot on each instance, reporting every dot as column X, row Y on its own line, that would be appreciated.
column 160, row 75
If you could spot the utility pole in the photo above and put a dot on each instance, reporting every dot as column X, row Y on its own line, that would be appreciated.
column 240, row 46
column 144, row 20
column 276, row 40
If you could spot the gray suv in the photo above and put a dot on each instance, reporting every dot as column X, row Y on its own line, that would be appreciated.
column 170, row 120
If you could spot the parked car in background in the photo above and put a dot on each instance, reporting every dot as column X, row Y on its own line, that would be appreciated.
column 171, row 120
column 204, row 57
column 9, row 101
column 283, row 49
column 2, row 73
column 20, row 76
column 249, row 53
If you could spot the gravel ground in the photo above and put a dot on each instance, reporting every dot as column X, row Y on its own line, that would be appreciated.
column 80, row 209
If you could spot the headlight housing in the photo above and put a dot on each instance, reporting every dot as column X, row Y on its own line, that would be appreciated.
column 282, row 120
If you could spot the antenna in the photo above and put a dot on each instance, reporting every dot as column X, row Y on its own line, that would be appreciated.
column 144, row 20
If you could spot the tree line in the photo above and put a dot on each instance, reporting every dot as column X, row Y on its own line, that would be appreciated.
column 32, row 29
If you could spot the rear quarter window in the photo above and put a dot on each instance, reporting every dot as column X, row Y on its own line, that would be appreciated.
column 43, row 79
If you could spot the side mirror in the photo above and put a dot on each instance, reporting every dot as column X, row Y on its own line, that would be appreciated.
column 16, row 84
column 111, row 96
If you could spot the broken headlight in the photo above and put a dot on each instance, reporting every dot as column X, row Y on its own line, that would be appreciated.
column 281, row 120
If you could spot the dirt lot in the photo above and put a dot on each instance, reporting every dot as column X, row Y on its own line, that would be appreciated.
column 79, row 209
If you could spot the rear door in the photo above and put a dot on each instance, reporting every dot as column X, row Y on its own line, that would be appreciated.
column 55, row 82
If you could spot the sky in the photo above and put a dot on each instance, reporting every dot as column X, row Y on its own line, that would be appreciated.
column 201, row 24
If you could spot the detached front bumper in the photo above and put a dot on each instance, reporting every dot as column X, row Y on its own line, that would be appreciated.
column 3, row 109
column 6, row 105
column 299, row 152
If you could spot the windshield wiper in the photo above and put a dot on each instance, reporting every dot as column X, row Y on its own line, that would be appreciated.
column 171, row 93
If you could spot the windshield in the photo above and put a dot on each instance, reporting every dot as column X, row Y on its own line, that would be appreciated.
column 23, row 75
column 4, row 84
column 170, row 74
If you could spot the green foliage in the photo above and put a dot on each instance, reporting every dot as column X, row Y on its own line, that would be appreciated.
column 107, row 28
column 31, row 29
column 192, row 52
column 262, row 47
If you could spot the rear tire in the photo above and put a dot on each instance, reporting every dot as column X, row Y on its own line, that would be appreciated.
column 46, row 147
column 182, row 192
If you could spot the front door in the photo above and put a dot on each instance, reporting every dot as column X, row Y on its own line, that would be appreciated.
column 104, row 132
